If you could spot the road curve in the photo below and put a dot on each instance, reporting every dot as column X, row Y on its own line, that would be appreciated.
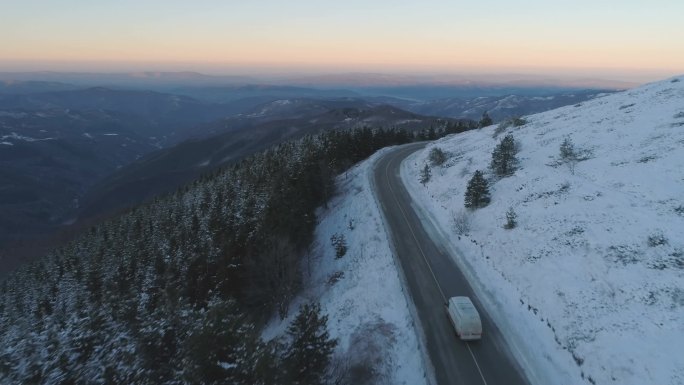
column 431, row 277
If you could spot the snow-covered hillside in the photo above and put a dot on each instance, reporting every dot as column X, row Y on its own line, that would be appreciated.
column 589, row 287
column 361, row 292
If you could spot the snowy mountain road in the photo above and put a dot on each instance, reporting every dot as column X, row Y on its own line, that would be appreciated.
column 431, row 276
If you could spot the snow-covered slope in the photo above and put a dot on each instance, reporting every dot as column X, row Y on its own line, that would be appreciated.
column 589, row 287
column 361, row 291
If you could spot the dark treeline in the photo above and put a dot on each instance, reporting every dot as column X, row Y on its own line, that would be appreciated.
column 175, row 292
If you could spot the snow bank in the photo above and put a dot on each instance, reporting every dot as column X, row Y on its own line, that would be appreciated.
column 589, row 287
column 361, row 292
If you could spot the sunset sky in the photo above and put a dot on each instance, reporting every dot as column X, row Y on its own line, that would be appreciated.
column 628, row 39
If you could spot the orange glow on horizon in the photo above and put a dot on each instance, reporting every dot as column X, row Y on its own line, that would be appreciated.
column 392, row 36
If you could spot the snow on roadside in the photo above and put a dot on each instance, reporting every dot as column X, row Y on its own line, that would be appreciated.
column 361, row 292
column 589, row 287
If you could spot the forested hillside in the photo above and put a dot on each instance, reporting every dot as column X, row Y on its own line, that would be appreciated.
column 176, row 291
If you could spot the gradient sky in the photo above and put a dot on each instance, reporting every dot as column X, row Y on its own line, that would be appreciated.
column 626, row 38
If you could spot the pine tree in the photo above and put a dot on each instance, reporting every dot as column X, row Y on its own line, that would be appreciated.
column 309, row 353
column 485, row 120
column 568, row 154
column 567, row 149
column 339, row 242
column 477, row 192
column 425, row 175
column 222, row 347
column 504, row 161
column 511, row 219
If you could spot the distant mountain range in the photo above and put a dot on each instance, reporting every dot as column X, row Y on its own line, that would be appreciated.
column 163, row 117
column 418, row 87
column 17, row 87
column 55, row 145
column 254, row 94
column 91, row 151
column 361, row 80
column 236, row 137
column 498, row 107
column 50, row 157
column 131, row 80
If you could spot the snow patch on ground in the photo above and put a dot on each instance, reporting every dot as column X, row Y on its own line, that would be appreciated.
column 589, row 287
column 360, row 292
column 16, row 136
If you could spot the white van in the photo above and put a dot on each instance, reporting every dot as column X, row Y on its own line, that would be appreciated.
column 465, row 318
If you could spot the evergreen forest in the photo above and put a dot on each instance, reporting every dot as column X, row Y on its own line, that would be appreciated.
column 177, row 291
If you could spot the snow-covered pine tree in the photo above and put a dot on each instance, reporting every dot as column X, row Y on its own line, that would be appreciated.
column 311, row 347
column 477, row 192
column 567, row 149
column 568, row 155
column 425, row 175
column 223, row 347
column 511, row 219
column 504, row 161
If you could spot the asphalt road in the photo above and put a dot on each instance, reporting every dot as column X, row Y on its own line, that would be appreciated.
column 432, row 277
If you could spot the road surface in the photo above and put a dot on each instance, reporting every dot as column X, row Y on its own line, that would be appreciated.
column 432, row 277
